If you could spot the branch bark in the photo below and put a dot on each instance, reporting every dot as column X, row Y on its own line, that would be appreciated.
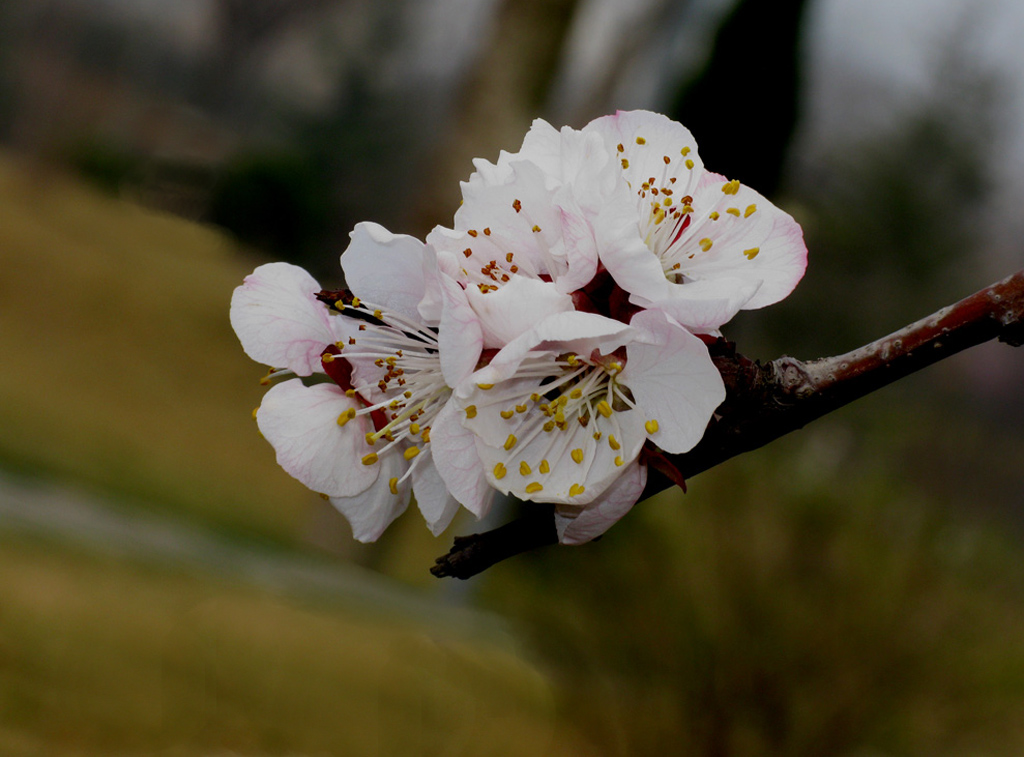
column 765, row 402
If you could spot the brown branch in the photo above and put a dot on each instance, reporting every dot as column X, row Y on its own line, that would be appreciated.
column 765, row 402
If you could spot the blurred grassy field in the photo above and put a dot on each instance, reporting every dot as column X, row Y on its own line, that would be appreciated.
column 101, row 657
column 121, row 369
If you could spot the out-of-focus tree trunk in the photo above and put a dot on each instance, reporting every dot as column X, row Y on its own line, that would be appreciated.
column 742, row 108
column 504, row 92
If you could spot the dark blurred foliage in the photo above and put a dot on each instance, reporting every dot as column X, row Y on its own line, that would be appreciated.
column 279, row 202
column 800, row 601
column 106, row 164
column 742, row 105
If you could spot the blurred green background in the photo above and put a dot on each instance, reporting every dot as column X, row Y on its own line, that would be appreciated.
column 854, row 589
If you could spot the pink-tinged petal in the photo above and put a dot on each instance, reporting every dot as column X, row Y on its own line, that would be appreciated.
column 278, row 319
column 385, row 269
column 515, row 307
column 751, row 239
column 372, row 511
column 702, row 305
column 432, row 305
column 454, row 453
column 605, row 511
column 647, row 140
column 624, row 253
column 436, row 504
column 673, row 381
column 580, row 247
column 460, row 335
column 301, row 423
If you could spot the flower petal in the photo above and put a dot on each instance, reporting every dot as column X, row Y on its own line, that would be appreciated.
column 673, row 381
column 454, row 453
column 301, row 423
column 515, row 307
column 278, row 319
column 385, row 269
column 436, row 504
column 605, row 511
column 372, row 511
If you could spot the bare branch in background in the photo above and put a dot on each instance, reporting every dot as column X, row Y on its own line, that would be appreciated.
column 765, row 402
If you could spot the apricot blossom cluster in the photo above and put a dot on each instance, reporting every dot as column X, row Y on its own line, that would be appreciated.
column 551, row 345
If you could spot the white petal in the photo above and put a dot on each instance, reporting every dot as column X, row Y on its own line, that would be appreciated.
column 460, row 336
column 647, row 139
column 301, row 423
column 436, row 504
column 673, row 381
column 573, row 331
column 454, row 453
column 372, row 511
column 568, row 465
column 703, row 305
column 385, row 269
column 278, row 319
column 752, row 240
column 604, row 512
column 515, row 307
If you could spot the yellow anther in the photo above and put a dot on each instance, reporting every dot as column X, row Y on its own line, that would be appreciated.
column 485, row 387
column 597, row 436
column 614, row 443
column 549, row 426
column 620, row 148
column 641, row 141
column 751, row 209
column 356, row 302
column 414, row 428
column 506, row 414
column 510, row 442
column 576, row 490
column 687, row 209
column 499, row 471
column 576, row 393
column 705, row 244
column 370, row 459
column 752, row 252
column 604, row 408
column 625, row 163
column 471, row 411
column 559, row 417
column 520, row 408
column 659, row 215
column 685, row 151
column 472, row 232
column 535, row 397
column 407, row 394
column 713, row 215
column 411, row 453
column 524, row 469
column 393, row 485
column 731, row 187
column 689, row 163
column 651, row 426
column 544, row 467
column 533, row 488
column 426, row 435
column 255, row 410
column 350, row 392
column 346, row 416
column 371, row 438
column 733, row 211
column 536, row 228
column 577, row 456
column 619, row 461
column 667, row 202
column 615, row 367
column 377, row 314
column 327, row 357
column 339, row 305
column 572, row 360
